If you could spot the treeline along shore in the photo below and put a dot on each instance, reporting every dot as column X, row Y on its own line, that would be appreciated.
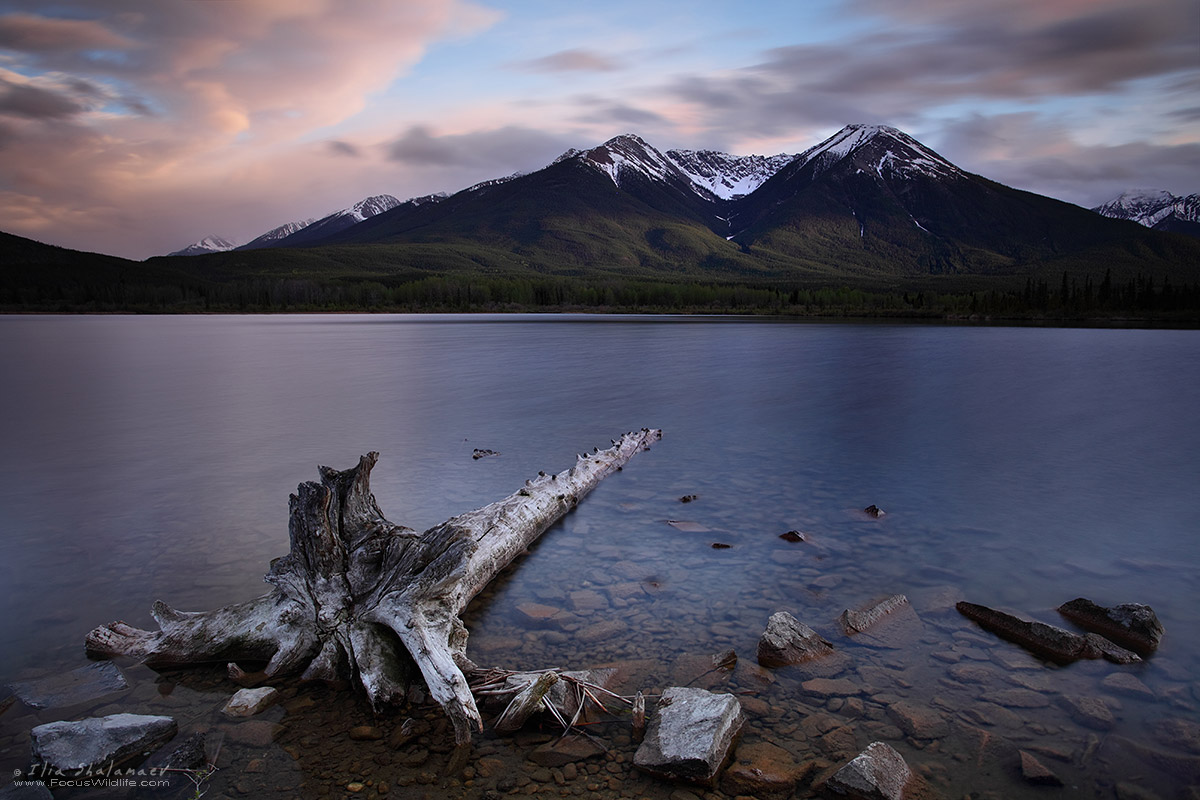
column 1141, row 297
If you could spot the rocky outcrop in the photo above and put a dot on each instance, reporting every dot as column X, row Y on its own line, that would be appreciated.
column 1131, row 625
column 97, row 742
column 877, row 773
column 691, row 736
column 1047, row 641
column 787, row 640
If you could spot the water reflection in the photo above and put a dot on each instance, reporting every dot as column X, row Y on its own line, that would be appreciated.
column 152, row 457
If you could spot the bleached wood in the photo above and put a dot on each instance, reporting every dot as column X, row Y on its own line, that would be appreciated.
column 358, row 596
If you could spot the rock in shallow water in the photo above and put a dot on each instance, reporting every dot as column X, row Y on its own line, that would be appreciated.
column 1047, row 641
column 248, row 702
column 1132, row 625
column 763, row 770
column 787, row 640
column 99, row 741
column 1037, row 773
column 78, row 685
column 877, row 773
column 690, row 736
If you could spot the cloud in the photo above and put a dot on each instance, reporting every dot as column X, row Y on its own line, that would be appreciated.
column 501, row 150
column 343, row 148
column 33, row 102
column 121, row 104
column 600, row 111
column 575, row 60
column 30, row 33
column 1029, row 152
column 938, row 53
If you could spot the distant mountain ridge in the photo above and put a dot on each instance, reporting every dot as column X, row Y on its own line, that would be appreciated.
column 1156, row 209
column 209, row 244
column 869, row 202
column 293, row 234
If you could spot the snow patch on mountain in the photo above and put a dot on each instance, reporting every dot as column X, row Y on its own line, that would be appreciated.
column 891, row 153
column 1151, row 207
column 727, row 176
column 369, row 207
column 209, row 244
column 275, row 234
column 494, row 182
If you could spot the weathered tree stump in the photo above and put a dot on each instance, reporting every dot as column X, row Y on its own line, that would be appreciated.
column 359, row 596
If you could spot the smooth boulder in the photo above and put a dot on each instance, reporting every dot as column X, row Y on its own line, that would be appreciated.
column 99, row 741
column 691, row 736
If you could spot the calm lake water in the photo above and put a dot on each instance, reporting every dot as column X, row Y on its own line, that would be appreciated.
column 152, row 457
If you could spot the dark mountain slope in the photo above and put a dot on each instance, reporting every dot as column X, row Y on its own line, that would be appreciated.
column 877, row 202
column 566, row 217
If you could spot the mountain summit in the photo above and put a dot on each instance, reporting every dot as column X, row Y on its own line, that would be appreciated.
column 1156, row 209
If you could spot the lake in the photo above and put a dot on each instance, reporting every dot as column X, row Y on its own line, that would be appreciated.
column 151, row 458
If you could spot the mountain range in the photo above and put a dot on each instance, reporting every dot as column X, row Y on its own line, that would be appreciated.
column 1159, row 210
column 868, row 203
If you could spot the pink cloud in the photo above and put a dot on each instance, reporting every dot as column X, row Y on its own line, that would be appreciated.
column 184, row 96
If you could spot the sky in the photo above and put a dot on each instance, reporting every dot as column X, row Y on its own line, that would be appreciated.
column 135, row 127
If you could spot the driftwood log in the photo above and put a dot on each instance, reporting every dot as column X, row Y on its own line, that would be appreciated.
column 364, row 598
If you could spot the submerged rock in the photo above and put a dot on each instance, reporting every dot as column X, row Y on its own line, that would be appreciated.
column 859, row 621
column 99, row 741
column 1089, row 711
column 1132, row 625
column 1124, row 683
column 191, row 754
column 877, row 773
column 26, row 791
column 690, row 736
column 77, row 686
column 1037, row 773
column 248, row 702
column 567, row 750
column 787, row 640
column 918, row 721
column 763, row 770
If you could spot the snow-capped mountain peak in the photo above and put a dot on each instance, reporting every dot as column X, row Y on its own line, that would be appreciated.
column 1150, row 207
column 209, row 244
column 726, row 176
column 629, row 152
column 274, row 235
column 370, row 206
column 879, row 148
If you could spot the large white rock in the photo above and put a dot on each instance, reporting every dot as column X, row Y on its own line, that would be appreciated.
column 691, row 735
column 97, row 742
